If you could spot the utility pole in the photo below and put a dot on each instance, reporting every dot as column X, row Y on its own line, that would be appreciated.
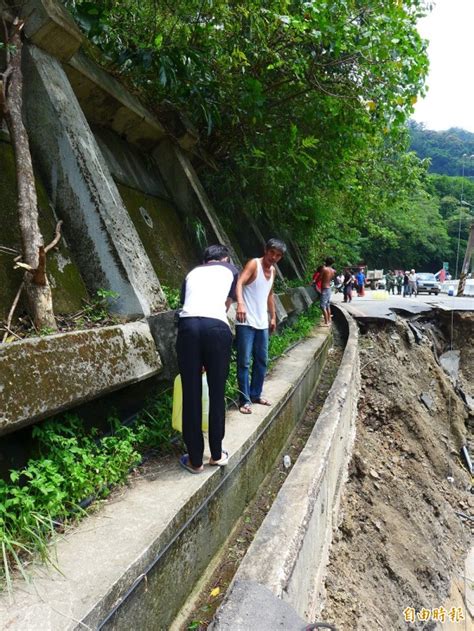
column 467, row 262
column 470, row 244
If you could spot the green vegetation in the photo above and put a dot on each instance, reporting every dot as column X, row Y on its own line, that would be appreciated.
column 72, row 465
column 97, row 309
column 301, row 109
column 173, row 296
column 280, row 342
column 448, row 151
column 450, row 195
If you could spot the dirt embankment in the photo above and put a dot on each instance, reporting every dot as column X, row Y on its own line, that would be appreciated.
column 401, row 540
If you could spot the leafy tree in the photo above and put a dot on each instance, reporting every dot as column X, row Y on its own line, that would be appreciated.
column 301, row 106
column 416, row 236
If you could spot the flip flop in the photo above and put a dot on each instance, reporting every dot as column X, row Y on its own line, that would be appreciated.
column 261, row 401
column 223, row 460
column 186, row 464
column 246, row 408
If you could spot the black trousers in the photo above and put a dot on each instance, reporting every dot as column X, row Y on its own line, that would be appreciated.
column 203, row 342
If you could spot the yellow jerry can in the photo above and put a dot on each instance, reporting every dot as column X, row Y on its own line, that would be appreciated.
column 177, row 415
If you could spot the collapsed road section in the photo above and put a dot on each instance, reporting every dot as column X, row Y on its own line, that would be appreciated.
column 407, row 512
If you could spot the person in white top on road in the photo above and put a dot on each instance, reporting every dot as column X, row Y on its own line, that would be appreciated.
column 256, row 318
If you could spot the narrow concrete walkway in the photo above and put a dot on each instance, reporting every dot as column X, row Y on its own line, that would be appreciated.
column 127, row 548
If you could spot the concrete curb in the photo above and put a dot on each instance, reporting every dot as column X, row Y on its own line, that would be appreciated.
column 134, row 562
column 289, row 553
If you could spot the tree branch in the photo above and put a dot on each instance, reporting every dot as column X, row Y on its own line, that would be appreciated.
column 12, row 311
column 56, row 239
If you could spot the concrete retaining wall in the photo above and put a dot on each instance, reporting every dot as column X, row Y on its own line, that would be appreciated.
column 289, row 553
column 42, row 376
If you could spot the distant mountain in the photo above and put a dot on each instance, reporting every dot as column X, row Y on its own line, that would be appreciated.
column 444, row 148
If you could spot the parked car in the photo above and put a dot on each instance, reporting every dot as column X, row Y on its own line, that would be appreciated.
column 427, row 282
column 380, row 284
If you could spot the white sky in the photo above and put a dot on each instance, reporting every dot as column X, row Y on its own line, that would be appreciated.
column 450, row 98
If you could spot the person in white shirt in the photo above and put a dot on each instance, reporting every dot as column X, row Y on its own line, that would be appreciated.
column 204, row 342
column 256, row 318
column 412, row 289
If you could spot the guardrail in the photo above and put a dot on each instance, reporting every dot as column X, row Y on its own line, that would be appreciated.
column 453, row 284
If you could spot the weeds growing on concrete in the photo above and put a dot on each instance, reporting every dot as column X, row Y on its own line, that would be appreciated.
column 173, row 296
column 73, row 467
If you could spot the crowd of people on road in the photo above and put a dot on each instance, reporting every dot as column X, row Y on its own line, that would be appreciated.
column 398, row 283
column 204, row 342
column 325, row 277
column 403, row 283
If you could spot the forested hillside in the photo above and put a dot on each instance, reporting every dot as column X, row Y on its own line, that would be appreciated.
column 449, row 151
column 301, row 110
column 451, row 167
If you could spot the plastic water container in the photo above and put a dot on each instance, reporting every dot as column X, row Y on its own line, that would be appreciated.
column 177, row 415
column 451, row 291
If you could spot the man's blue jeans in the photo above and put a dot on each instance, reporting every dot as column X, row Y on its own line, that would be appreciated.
column 251, row 343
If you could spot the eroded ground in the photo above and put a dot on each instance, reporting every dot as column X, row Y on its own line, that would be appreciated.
column 403, row 536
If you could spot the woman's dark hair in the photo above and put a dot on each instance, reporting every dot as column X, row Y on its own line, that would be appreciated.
column 215, row 253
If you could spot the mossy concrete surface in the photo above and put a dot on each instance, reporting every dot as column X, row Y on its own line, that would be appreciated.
column 50, row 26
column 45, row 375
column 163, row 235
column 189, row 196
column 105, row 101
column 132, row 564
column 129, row 165
column 67, row 286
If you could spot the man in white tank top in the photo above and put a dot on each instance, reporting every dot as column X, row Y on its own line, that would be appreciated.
column 256, row 318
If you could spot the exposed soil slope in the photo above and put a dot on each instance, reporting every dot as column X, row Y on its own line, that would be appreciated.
column 400, row 540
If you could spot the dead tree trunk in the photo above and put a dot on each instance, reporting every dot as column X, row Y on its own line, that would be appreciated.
column 36, row 286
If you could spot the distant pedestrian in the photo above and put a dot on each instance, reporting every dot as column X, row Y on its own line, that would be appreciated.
column 348, row 285
column 412, row 283
column 390, row 282
column 339, row 283
column 327, row 274
column 399, row 280
column 316, row 280
column 360, row 278
column 406, row 285
column 204, row 342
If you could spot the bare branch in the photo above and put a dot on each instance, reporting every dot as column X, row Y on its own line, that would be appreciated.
column 7, row 250
column 12, row 311
column 19, row 264
column 57, row 237
column 4, row 326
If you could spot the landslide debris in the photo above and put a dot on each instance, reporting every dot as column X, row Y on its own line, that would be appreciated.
column 401, row 540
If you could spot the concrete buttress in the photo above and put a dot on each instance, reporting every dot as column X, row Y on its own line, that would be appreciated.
column 101, row 234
